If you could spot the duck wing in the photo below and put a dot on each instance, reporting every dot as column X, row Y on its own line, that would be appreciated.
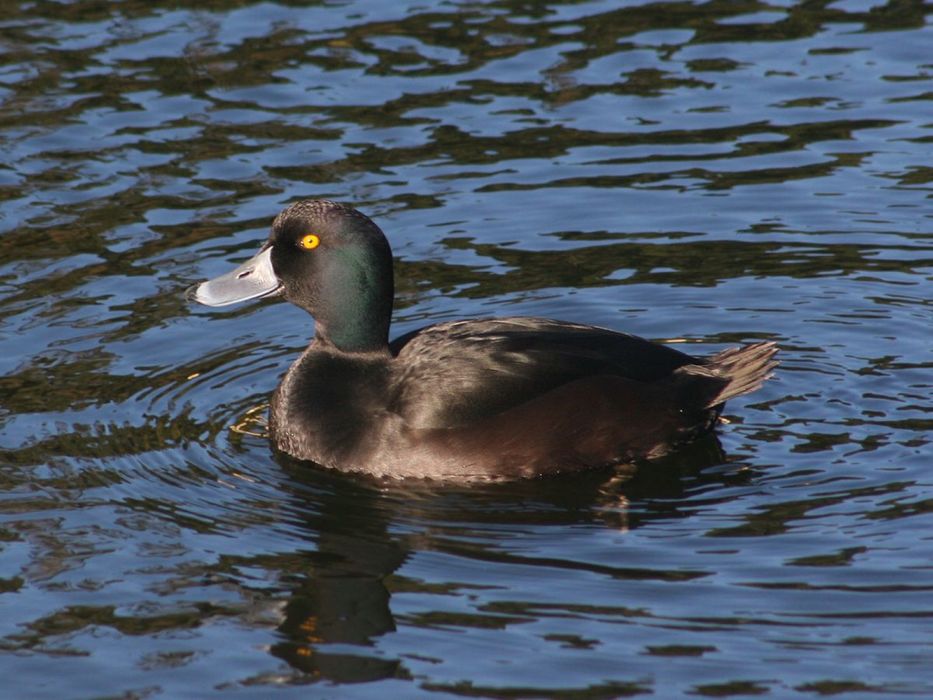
column 453, row 374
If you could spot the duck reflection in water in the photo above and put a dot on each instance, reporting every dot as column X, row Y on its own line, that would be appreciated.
column 361, row 533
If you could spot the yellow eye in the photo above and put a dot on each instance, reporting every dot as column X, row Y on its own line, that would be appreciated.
column 310, row 242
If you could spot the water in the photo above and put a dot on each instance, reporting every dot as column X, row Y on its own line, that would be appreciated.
column 714, row 173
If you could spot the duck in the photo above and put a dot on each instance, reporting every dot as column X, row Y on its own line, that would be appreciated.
column 481, row 399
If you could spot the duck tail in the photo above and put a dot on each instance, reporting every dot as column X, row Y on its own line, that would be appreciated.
column 739, row 371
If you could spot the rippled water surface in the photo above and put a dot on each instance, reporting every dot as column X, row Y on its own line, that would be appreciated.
column 711, row 172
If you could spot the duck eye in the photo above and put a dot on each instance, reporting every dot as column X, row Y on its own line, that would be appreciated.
column 309, row 241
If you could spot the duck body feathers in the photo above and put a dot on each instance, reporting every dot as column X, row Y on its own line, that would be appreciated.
column 504, row 398
column 452, row 374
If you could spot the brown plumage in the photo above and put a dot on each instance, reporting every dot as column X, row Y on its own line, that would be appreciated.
column 477, row 399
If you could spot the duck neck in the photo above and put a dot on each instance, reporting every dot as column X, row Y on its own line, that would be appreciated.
column 351, row 337
column 357, row 314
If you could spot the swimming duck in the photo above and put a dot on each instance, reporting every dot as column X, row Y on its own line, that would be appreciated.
column 492, row 398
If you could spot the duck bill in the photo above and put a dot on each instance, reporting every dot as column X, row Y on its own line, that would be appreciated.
column 253, row 279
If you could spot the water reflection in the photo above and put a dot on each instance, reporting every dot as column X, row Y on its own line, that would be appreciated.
column 335, row 592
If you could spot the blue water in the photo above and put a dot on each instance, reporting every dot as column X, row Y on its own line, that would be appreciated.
column 705, row 173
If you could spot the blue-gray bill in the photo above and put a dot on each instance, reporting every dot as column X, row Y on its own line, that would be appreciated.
column 253, row 279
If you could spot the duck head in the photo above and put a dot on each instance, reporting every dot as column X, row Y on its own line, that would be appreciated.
column 328, row 259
